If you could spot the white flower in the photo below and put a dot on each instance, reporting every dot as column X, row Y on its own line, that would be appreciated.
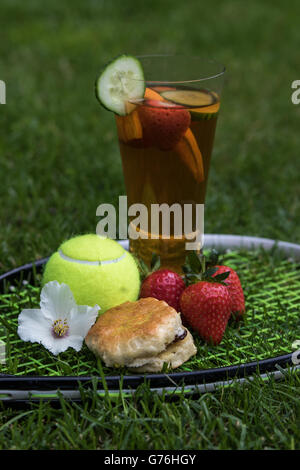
column 60, row 323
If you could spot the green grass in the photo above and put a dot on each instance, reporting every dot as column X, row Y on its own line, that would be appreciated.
column 251, row 416
column 59, row 160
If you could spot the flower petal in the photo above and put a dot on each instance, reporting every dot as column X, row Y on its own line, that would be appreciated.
column 60, row 345
column 57, row 300
column 33, row 325
column 36, row 328
column 75, row 342
column 82, row 319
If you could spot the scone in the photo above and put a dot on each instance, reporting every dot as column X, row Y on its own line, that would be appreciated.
column 141, row 335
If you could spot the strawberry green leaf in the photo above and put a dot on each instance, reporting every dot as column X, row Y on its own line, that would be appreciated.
column 213, row 257
column 143, row 268
column 222, row 276
column 155, row 262
column 193, row 262
column 191, row 278
column 210, row 272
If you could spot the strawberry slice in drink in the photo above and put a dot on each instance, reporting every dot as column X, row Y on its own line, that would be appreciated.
column 166, row 126
column 163, row 123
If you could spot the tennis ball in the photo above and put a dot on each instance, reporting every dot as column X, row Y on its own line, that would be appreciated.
column 98, row 270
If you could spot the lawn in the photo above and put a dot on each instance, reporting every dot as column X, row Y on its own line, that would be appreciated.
column 59, row 160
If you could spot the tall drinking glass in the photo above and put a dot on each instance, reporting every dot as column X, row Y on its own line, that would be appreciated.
column 166, row 143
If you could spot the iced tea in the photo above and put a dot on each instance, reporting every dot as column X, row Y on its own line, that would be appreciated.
column 166, row 143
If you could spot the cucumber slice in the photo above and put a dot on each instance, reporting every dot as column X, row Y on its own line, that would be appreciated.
column 121, row 80
column 190, row 98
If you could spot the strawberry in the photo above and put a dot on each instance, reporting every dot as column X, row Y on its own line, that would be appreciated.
column 163, row 123
column 196, row 270
column 206, row 307
column 163, row 284
column 235, row 290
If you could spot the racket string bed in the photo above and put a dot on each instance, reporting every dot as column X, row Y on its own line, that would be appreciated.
column 272, row 292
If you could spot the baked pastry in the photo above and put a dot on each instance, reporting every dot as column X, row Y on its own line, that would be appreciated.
column 141, row 335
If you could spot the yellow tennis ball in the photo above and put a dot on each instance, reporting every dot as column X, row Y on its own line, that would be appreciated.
column 98, row 271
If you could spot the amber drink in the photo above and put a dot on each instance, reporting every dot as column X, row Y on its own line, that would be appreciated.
column 166, row 143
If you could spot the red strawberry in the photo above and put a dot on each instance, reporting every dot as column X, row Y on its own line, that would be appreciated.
column 163, row 284
column 235, row 290
column 163, row 123
column 206, row 307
